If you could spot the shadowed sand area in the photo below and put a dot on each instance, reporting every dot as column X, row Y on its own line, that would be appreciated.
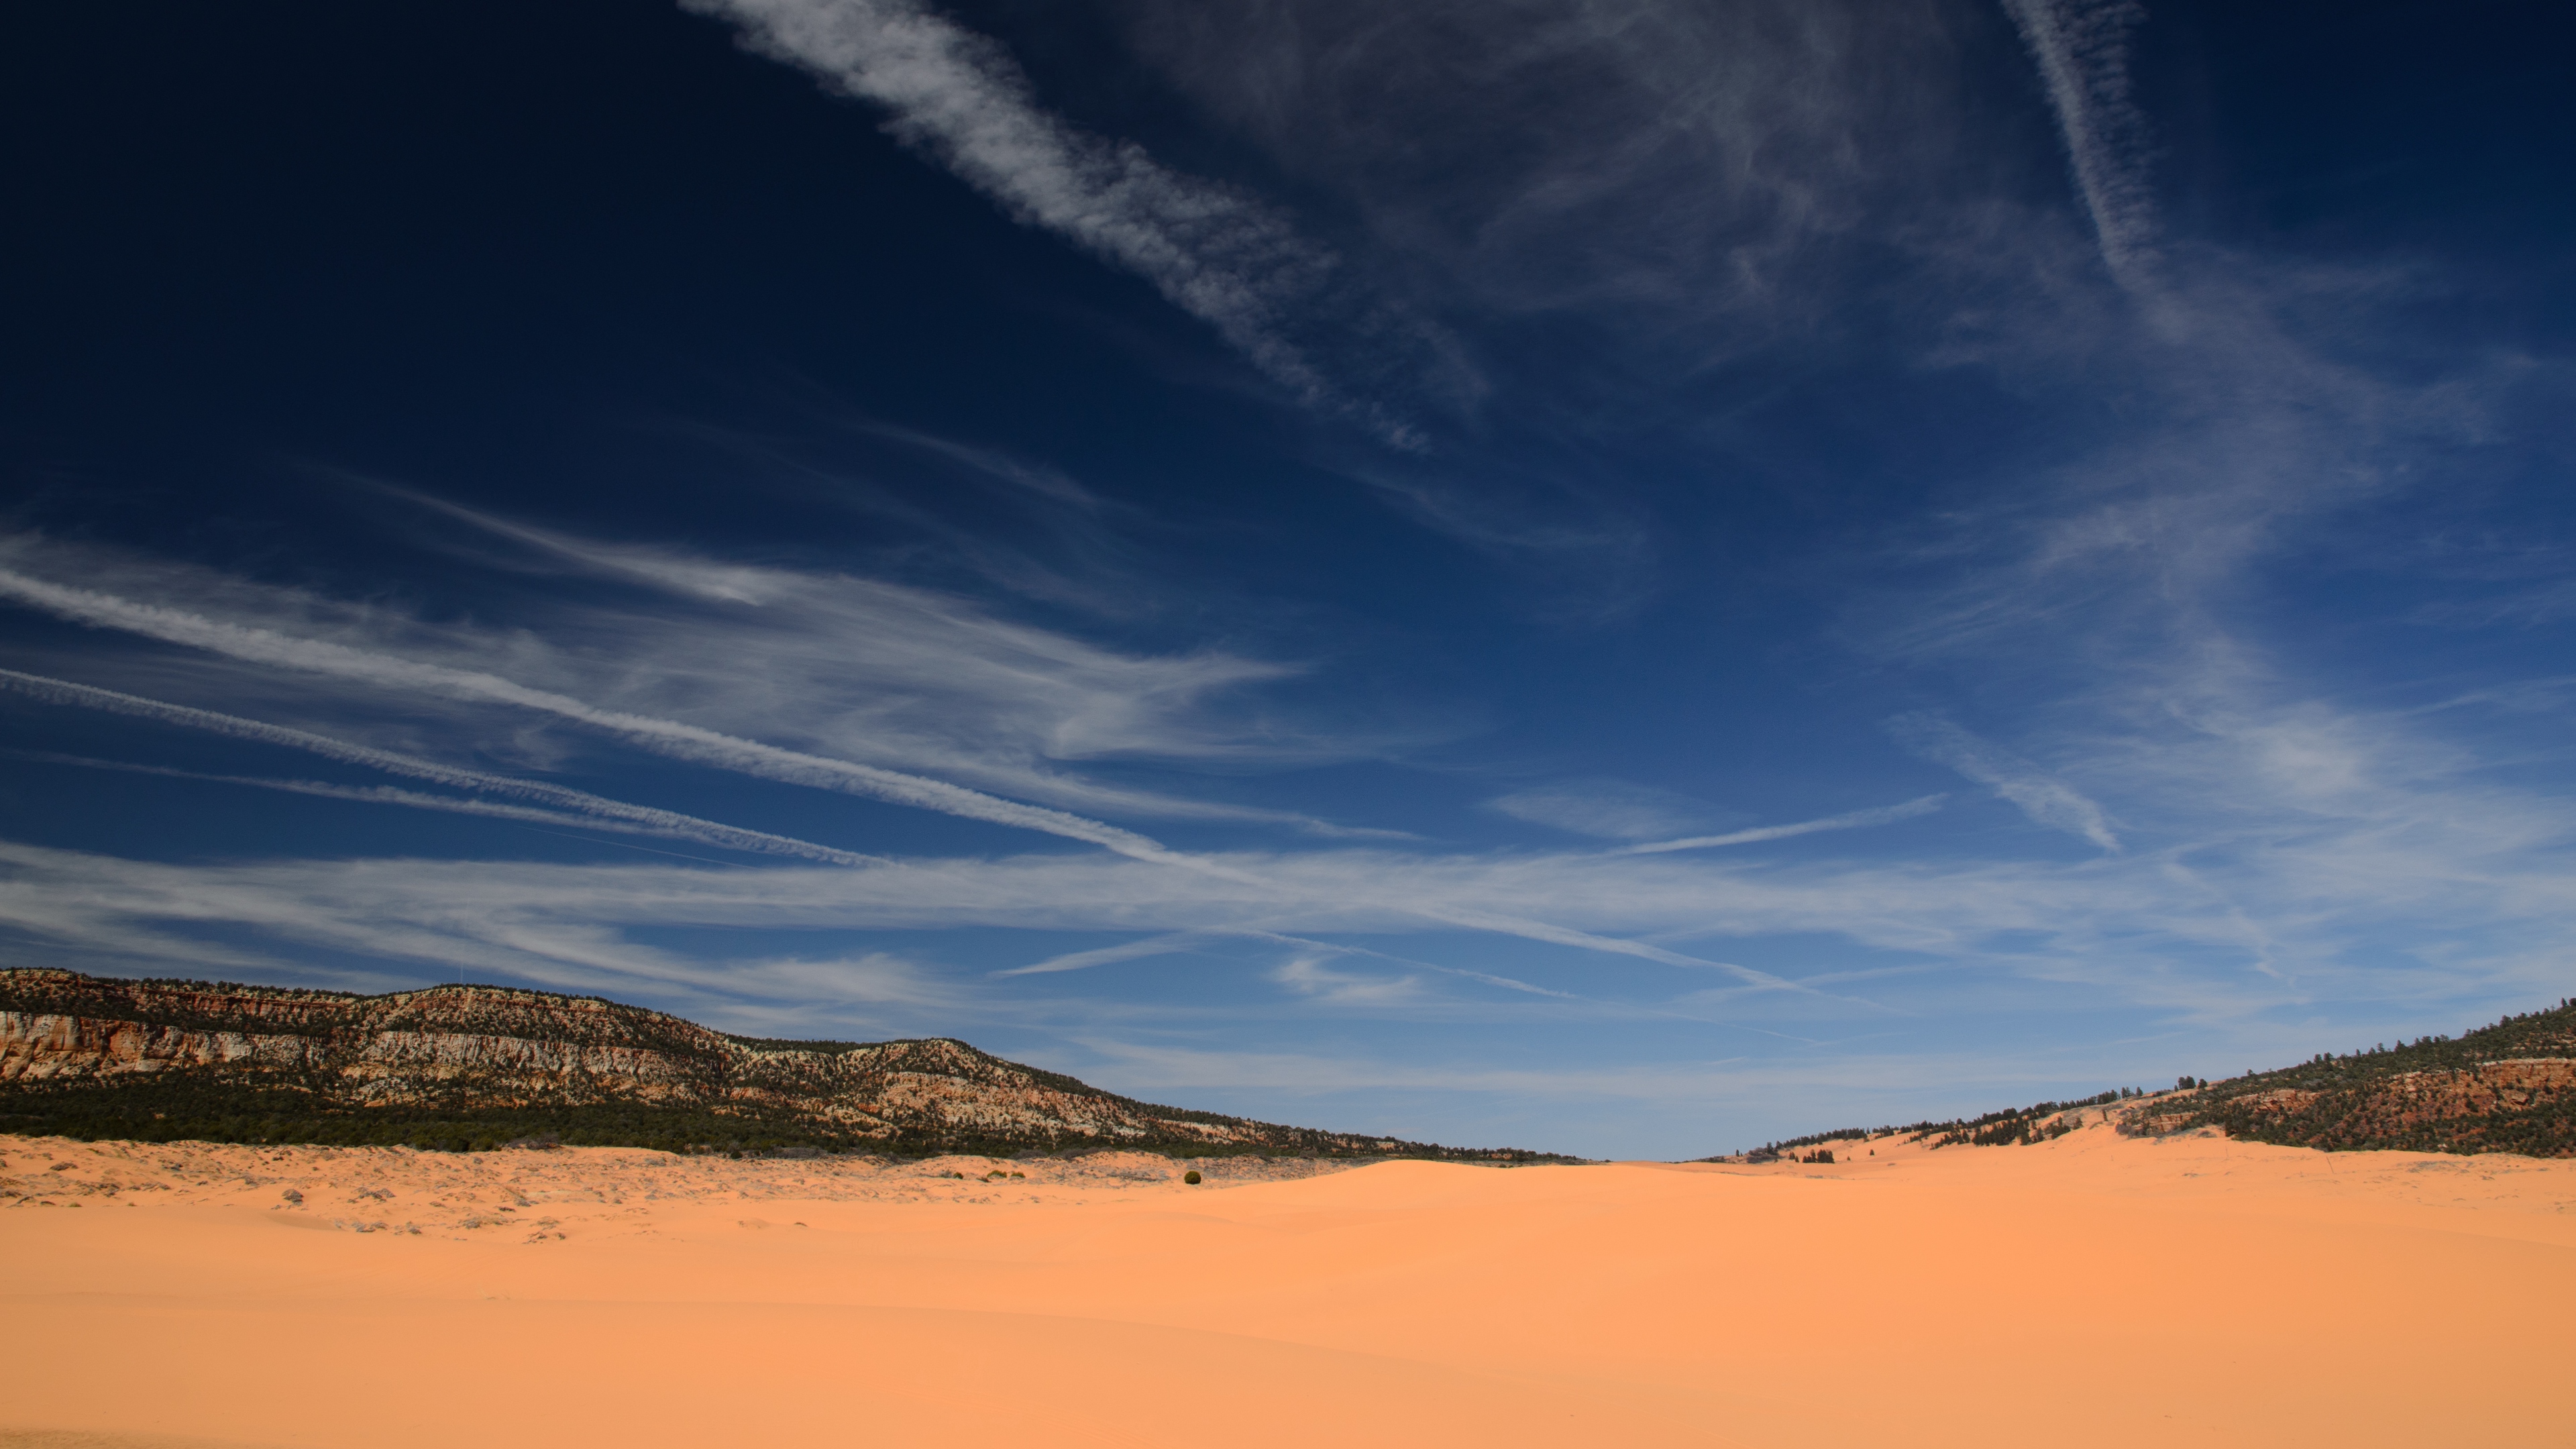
column 2096, row 1290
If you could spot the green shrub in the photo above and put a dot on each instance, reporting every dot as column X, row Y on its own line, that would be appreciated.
column 1191, row 1177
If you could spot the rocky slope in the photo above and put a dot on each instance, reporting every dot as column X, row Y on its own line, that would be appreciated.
column 472, row 1065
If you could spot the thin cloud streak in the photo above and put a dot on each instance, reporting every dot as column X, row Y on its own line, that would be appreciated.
column 1110, row 955
column 732, row 584
column 1485, row 978
column 415, row 800
column 1516, row 925
column 1857, row 819
column 1044, row 481
column 1181, row 941
column 591, row 810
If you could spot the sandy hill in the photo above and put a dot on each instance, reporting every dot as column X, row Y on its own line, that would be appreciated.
column 465, row 1066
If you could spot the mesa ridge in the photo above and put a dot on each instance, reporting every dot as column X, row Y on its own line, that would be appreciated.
column 467, row 1066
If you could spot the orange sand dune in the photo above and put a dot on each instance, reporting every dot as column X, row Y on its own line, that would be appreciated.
column 2095, row 1290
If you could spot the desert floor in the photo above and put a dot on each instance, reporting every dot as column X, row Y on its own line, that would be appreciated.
column 2094, row 1290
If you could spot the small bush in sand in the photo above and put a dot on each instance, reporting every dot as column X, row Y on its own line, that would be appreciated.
column 1191, row 1177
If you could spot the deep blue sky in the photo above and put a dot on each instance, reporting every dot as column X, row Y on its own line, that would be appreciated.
column 1214, row 548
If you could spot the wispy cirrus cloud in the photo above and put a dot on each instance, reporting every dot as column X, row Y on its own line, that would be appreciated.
column 1095, row 702
column 693, row 743
column 1213, row 250
column 2045, row 799
column 875, row 676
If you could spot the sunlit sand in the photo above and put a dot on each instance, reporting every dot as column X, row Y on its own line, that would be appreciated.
column 2094, row 1290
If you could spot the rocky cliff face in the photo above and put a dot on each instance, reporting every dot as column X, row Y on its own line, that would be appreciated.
column 464, row 1053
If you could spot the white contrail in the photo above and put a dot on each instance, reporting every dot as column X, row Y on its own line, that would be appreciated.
column 586, row 807
column 1883, row 815
column 2082, row 49
column 669, row 737
column 958, row 96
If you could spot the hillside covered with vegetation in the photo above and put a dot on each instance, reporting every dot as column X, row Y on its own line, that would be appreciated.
column 2509, row 1087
